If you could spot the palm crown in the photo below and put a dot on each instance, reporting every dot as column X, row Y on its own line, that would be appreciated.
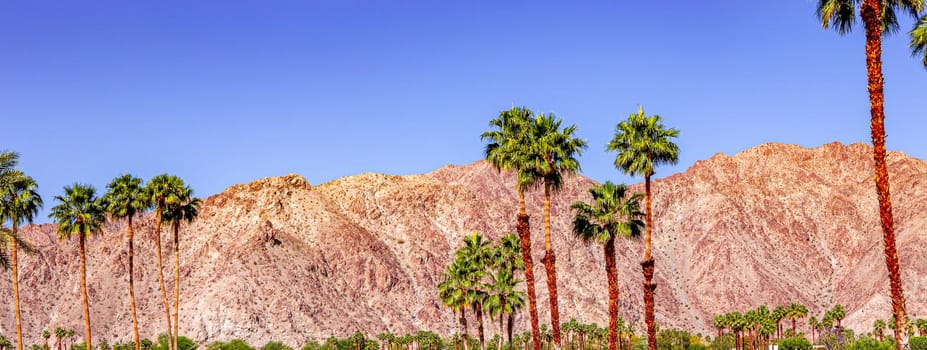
column 78, row 212
column 642, row 143
column 126, row 197
column 612, row 214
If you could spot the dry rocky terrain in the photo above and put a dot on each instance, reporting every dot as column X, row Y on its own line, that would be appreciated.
column 281, row 259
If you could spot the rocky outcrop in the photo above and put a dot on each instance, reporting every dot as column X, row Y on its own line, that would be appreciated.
column 281, row 259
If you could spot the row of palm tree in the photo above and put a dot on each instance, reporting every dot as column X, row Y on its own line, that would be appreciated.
column 760, row 326
column 540, row 153
column 880, row 18
column 80, row 212
column 482, row 277
column 918, row 326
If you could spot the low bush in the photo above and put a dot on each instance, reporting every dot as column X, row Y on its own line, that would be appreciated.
column 917, row 343
column 794, row 343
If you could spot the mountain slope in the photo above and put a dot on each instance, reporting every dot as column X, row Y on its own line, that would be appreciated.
column 281, row 259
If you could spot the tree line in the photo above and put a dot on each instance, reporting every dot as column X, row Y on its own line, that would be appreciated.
column 81, row 212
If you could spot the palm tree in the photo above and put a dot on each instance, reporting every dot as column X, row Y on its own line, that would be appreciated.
column 878, row 328
column 878, row 18
column 777, row 315
column 813, row 322
column 794, row 312
column 80, row 213
column 162, row 191
column 19, row 203
column 921, row 325
column 476, row 254
column 504, row 298
column 124, row 199
column 184, row 209
column 612, row 213
column 720, row 323
column 60, row 333
column 45, row 335
column 552, row 155
column 919, row 40
column 642, row 143
column 506, row 151
column 838, row 313
column 453, row 289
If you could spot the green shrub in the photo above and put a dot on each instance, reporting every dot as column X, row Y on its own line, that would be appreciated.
column 183, row 343
column 917, row 343
column 724, row 342
column 235, row 344
column 867, row 343
column 312, row 345
column 275, row 345
column 794, row 343
column 673, row 339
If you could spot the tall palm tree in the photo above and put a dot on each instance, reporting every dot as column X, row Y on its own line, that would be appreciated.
column 919, row 40
column 19, row 203
column 162, row 191
column 642, row 143
column 613, row 213
column 553, row 152
column 878, row 19
column 506, row 151
column 80, row 213
column 125, row 198
column 184, row 209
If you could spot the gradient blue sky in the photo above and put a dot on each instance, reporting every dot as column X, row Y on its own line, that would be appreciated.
column 224, row 92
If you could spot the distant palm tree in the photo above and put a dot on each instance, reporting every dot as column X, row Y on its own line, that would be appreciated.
column 19, row 203
column 720, row 323
column 162, row 191
column 506, row 150
column 504, row 299
column 919, row 40
column 878, row 328
column 613, row 213
column 878, row 19
column 777, row 315
column 125, row 199
column 642, row 143
column 453, row 289
column 813, row 322
column 71, row 333
column 838, row 313
column 60, row 333
column 921, row 325
column 45, row 335
column 794, row 312
column 80, row 213
column 476, row 254
column 553, row 152
column 184, row 209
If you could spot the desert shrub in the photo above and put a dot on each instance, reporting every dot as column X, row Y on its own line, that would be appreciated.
column 130, row 345
column 275, row 345
column 917, row 343
column 79, row 346
column 673, row 339
column 183, row 343
column 724, row 342
column 312, row 345
column 235, row 344
column 794, row 343
column 868, row 343
column 145, row 344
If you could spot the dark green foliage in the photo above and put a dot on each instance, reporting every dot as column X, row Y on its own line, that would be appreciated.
column 146, row 344
column 918, row 343
column 698, row 347
column 795, row 343
column 312, row 345
column 724, row 342
column 183, row 343
column 867, row 343
column 235, row 344
column 79, row 346
column 126, row 346
column 275, row 345
column 673, row 339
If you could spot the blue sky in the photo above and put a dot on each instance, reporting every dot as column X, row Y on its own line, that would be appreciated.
column 224, row 92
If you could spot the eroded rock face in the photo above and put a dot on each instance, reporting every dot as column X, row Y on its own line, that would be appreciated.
column 279, row 259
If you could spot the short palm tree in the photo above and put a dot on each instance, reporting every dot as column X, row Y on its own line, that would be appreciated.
column 80, row 213
column 125, row 199
column 838, row 313
column 613, row 213
column 879, row 18
column 506, row 150
column 777, row 315
column 453, row 289
column 19, row 203
column 476, row 254
column 162, row 191
column 878, row 328
column 60, row 333
column 45, row 335
column 794, row 312
column 184, row 209
column 642, row 143
column 553, row 152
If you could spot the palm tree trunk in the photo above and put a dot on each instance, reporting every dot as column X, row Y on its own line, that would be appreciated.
column 793, row 326
column 176, row 280
column 611, row 272
column 83, row 290
column 132, row 285
column 167, row 308
column 550, row 262
column 463, row 322
column 524, row 232
column 15, row 268
column 648, row 268
column 511, row 327
column 479, row 324
column 872, row 19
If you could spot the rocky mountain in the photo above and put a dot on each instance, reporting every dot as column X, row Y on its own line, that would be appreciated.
column 281, row 259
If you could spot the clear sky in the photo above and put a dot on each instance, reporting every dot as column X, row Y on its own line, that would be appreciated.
column 224, row 92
